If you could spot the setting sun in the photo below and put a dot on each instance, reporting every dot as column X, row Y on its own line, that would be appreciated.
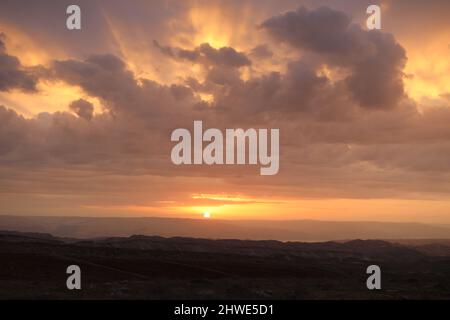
column 206, row 215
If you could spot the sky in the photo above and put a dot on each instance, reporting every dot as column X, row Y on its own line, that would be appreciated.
column 86, row 115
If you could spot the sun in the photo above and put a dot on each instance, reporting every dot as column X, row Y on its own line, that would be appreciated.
column 206, row 215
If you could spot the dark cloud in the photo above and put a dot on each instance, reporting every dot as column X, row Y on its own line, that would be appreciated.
column 374, row 59
column 12, row 74
column 103, row 76
column 225, row 56
column 82, row 108
column 124, row 95
column 323, row 30
column 223, row 76
column 13, row 130
column 261, row 51
column 205, row 54
column 299, row 92
column 377, row 80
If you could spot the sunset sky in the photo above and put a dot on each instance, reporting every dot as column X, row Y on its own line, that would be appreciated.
column 364, row 116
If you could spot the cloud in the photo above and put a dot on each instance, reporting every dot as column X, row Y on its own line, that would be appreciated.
column 322, row 30
column 261, row 51
column 82, row 108
column 356, row 135
column 13, row 130
column 207, row 55
column 103, row 76
column 12, row 74
column 375, row 60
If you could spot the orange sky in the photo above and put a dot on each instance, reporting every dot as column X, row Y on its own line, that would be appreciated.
column 343, row 162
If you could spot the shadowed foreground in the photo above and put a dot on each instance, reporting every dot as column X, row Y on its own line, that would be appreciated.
column 140, row 267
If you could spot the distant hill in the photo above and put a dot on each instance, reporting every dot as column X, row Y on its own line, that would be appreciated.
column 149, row 267
column 295, row 230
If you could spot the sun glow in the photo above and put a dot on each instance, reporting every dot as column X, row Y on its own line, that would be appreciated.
column 224, row 25
column 209, row 27
column 428, row 68
column 50, row 97
column 206, row 215
column 220, row 197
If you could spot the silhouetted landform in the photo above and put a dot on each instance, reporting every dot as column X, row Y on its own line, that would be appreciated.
column 297, row 230
column 33, row 266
